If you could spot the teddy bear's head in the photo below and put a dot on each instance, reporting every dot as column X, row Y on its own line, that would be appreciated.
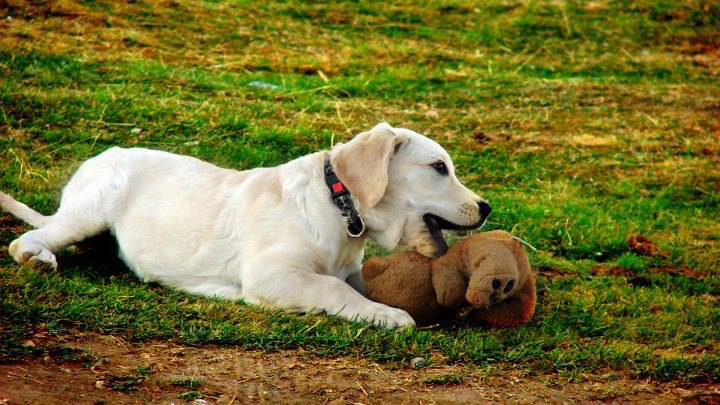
column 489, row 271
column 481, row 270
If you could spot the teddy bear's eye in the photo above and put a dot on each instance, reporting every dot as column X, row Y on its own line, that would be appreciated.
column 440, row 167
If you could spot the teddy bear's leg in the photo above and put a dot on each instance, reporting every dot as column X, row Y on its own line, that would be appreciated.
column 513, row 311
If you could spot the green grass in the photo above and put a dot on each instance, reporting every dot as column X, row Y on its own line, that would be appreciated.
column 583, row 123
column 129, row 382
column 451, row 378
column 186, row 382
column 191, row 395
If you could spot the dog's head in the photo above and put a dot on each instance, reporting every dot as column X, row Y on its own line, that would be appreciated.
column 407, row 189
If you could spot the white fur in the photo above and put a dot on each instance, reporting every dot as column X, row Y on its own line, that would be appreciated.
column 269, row 236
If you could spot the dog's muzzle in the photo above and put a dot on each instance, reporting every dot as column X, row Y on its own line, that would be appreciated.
column 436, row 225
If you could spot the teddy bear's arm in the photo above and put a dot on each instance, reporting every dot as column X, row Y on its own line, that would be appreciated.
column 450, row 286
column 374, row 267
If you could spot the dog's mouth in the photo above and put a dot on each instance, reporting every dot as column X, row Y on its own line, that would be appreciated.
column 436, row 224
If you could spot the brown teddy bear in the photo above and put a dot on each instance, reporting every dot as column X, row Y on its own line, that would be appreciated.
column 488, row 271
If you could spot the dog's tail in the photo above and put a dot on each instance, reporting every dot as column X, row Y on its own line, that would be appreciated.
column 22, row 211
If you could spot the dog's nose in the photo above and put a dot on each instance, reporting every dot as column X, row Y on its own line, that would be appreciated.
column 485, row 209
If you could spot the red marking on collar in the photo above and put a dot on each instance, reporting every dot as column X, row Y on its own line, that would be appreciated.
column 337, row 187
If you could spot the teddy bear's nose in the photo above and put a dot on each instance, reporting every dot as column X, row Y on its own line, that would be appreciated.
column 478, row 299
column 496, row 283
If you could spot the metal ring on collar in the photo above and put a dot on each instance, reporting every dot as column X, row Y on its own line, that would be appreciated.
column 362, row 229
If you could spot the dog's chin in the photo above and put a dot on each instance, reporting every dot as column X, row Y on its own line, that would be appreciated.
column 427, row 247
column 428, row 240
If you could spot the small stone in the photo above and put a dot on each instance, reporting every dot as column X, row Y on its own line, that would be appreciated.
column 418, row 362
column 135, row 131
column 100, row 384
column 263, row 85
column 432, row 114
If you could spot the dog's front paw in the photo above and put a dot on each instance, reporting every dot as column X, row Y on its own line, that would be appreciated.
column 389, row 317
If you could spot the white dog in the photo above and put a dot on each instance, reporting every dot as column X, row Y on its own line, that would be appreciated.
column 287, row 237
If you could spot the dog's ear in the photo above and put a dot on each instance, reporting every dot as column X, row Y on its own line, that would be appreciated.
column 362, row 164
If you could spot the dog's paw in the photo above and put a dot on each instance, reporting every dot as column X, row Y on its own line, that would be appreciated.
column 44, row 261
column 389, row 317
column 32, row 255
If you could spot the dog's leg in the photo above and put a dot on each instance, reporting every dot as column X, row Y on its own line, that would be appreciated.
column 89, row 200
column 72, row 223
column 215, row 289
column 37, row 247
column 302, row 291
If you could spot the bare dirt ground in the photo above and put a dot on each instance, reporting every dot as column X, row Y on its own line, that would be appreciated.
column 106, row 369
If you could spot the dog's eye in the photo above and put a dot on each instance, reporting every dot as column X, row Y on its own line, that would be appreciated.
column 440, row 167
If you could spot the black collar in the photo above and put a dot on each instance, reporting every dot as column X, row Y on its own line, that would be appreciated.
column 341, row 197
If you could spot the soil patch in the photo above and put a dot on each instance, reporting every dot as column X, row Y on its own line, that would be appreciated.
column 606, row 270
column 107, row 369
column 643, row 246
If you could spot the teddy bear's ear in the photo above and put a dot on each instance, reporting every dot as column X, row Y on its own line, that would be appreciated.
column 374, row 267
column 448, row 277
column 511, row 312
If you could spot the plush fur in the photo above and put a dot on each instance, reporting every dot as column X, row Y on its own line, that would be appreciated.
column 489, row 271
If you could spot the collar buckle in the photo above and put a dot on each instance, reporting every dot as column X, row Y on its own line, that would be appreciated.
column 340, row 195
